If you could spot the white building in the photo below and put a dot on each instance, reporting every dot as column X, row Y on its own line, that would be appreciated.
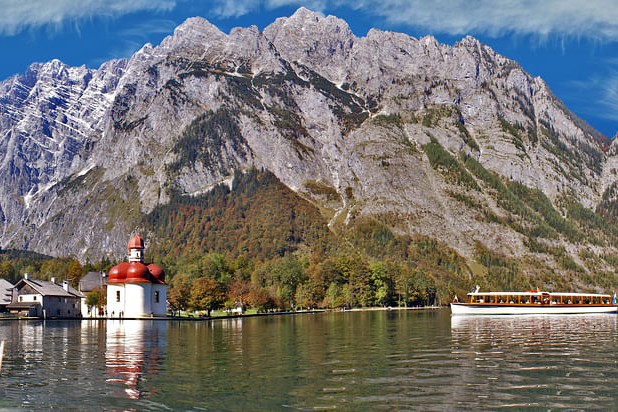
column 46, row 299
column 135, row 289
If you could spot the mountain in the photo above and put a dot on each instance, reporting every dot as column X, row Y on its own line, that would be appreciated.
column 452, row 143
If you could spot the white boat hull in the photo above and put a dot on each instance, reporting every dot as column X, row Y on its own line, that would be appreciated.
column 485, row 309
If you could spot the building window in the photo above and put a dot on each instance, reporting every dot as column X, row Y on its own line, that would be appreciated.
column 156, row 296
column 117, row 296
column 34, row 298
column 21, row 298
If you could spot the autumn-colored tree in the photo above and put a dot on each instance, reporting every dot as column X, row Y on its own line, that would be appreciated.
column 207, row 294
column 239, row 293
column 74, row 272
column 320, row 273
column 261, row 299
column 179, row 292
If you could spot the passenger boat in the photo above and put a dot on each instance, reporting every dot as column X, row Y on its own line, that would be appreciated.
column 533, row 302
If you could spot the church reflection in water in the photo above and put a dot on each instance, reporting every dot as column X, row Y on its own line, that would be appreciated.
column 134, row 348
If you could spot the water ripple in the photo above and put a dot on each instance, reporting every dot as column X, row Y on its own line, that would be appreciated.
column 398, row 360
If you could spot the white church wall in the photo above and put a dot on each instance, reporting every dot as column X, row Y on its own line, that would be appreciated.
column 115, row 299
column 159, row 300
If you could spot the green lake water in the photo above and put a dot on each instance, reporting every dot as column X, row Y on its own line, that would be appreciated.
column 353, row 361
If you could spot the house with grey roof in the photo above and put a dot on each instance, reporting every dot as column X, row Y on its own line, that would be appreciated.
column 45, row 299
column 6, row 294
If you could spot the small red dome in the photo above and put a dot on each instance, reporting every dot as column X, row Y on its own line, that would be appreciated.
column 157, row 273
column 136, row 242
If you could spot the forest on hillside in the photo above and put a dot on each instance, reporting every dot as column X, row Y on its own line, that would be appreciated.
column 258, row 244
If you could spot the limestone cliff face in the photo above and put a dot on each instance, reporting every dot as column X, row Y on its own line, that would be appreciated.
column 84, row 153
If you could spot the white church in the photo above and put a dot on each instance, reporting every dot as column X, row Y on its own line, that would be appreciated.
column 136, row 289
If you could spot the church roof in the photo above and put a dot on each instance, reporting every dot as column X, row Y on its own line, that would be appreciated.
column 136, row 242
column 136, row 272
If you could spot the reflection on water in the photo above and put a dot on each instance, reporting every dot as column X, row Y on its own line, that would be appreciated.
column 132, row 349
column 560, row 361
column 398, row 360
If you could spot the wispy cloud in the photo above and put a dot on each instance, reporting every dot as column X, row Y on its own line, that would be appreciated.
column 598, row 95
column 145, row 29
column 233, row 8
column 237, row 8
column 20, row 15
column 607, row 90
column 609, row 99
column 131, row 39
column 594, row 19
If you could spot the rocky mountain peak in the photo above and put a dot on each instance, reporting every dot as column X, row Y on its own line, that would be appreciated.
column 195, row 33
column 310, row 38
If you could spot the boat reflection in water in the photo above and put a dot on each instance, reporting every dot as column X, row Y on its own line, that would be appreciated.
column 515, row 325
column 133, row 348
column 540, row 362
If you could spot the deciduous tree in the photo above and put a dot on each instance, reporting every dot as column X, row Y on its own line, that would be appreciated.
column 179, row 293
column 206, row 294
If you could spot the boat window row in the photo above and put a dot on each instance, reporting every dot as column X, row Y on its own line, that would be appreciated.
column 541, row 299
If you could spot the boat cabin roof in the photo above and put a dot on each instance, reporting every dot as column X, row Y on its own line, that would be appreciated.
column 538, row 293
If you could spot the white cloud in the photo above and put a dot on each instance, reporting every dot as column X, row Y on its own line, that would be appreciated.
column 237, row 8
column 233, row 8
column 597, row 19
column 144, row 29
column 597, row 96
column 607, row 88
column 19, row 15
column 591, row 19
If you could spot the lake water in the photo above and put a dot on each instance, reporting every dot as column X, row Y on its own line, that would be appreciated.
column 355, row 361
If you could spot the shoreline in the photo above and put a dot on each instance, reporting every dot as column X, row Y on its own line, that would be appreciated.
column 223, row 317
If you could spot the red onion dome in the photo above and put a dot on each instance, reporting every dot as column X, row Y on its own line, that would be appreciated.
column 137, row 272
column 118, row 273
column 157, row 273
column 136, row 242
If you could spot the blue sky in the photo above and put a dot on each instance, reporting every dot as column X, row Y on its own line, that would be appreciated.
column 571, row 44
